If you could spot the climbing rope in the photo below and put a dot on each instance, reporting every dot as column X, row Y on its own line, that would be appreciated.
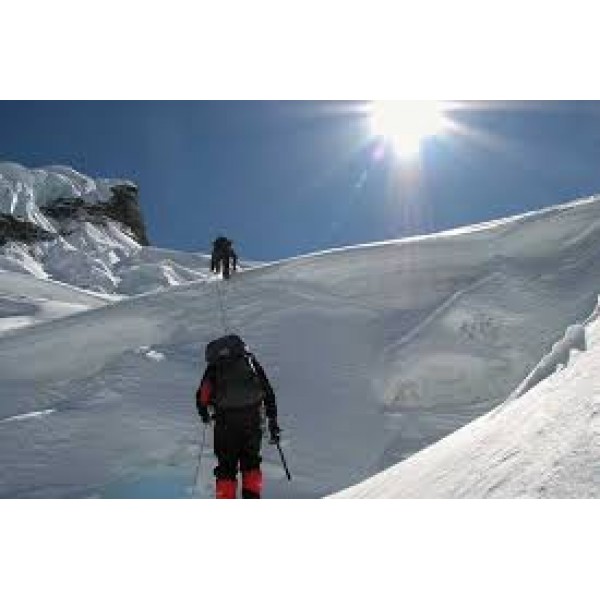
column 222, row 312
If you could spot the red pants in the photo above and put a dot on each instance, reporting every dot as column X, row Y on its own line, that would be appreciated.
column 251, row 486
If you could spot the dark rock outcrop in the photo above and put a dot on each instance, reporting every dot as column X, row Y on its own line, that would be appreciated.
column 19, row 230
column 123, row 207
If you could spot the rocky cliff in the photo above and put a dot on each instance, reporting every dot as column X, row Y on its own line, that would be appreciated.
column 122, row 207
column 41, row 204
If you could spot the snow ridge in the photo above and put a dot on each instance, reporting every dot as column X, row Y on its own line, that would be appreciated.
column 99, row 255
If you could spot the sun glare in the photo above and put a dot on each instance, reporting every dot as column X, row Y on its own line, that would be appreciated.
column 405, row 124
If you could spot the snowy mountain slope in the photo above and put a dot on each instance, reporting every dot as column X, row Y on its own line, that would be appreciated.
column 27, row 300
column 17, row 311
column 93, row 266
column 106, row 260
column 544, row 444
column 374, row 351
column 464, row 313
column 61, row 225
column 24, row 191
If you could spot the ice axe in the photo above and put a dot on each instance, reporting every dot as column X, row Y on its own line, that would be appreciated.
column 275, row 441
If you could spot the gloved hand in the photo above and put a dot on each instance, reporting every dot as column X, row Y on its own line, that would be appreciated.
column 274, row 431
column 204, row 414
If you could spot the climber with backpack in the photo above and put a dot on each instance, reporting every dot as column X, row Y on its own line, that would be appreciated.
column 235, row 393
column 223, row 257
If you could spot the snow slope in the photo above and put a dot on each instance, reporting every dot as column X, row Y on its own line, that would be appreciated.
column 100, row 256
column 544, row 444
column 374, row 352
column 27, row 300
column 23, row 191
column 104, row 259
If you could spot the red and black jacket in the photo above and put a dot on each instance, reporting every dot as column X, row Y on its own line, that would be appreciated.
column 207, row 390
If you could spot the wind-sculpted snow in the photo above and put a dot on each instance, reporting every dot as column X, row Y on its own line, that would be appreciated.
column 374, row 352
column 558, row 357
column 51, row 226
column 543, row 444
column 27, row 300
column 23, row 190
column 105, row 260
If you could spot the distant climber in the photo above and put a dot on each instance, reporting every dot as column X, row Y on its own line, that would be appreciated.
column 223, row 257
column 234, row 392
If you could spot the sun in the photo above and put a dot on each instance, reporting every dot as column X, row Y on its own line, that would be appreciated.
column 405, row 124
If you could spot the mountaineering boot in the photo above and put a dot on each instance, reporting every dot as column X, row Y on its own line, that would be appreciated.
column 226, row 489
column 252, row 484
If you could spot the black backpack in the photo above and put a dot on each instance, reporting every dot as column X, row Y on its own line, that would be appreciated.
column 221, row 245
column 228, row 346
column 237, row 382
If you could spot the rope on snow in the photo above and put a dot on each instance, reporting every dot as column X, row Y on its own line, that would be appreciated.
column 222, row 312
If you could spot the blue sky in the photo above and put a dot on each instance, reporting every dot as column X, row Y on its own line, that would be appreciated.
column 285, row 178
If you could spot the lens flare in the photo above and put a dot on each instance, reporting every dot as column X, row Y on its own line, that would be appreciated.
column 405, row 124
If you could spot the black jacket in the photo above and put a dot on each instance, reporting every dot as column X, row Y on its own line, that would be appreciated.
column 207, row 389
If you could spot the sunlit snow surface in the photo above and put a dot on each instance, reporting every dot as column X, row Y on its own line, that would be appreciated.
column 374, row 352
column 544, row 444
